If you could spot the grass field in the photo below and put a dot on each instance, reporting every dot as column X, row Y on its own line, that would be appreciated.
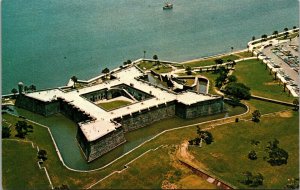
column 146, row 65
column 75, row 180
column 163, row 69
column 113, row 104
column 244, row 54
column 19, row 167
column 227, row 156
column 211, row 61
column 161, row 165
column 253, row 74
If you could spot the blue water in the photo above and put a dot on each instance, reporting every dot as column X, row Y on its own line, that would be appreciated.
column 46, row 42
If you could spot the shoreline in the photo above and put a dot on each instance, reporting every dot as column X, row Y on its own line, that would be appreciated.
column 184, row 62
column 212, row 56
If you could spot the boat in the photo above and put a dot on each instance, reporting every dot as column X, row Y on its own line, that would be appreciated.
column 168, row 6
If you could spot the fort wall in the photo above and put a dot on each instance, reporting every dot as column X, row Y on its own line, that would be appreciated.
column 198, row 109
column 145, row 117
column 97, row 148
column 129, row 122
column 37, row 106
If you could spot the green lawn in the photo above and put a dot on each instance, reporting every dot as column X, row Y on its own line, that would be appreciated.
column 113, row 104
column 227, row 158
column 75, row 180
column 162, row 69
column 146, row 65
column 19, row 167
column 290, row 36
column 151, row 170
column 253, row 74
column 244, row 54
column 211, row 61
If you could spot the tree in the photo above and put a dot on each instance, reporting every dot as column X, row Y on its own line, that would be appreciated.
column 63, row 187
column 26, row 88
column 205, row 136
column 264, row 37
column 285, row 29
column 292, row 184
column 188, row 70
column 252, row 155
column 238, row 90
column 286, row 34
column 253, row 38
column 252, row 180
column 22, row 129
column 232, row 78
column 5, row 132
column 296, row 104
column 42, row 154
column 144, row 54
column 257, row 180
column 155, row 57
column 231, row 49
column 105, row 71
column 32, row 87
column 277, row 156
column 14, row 91
column 127, row 62
column 256, row 116
column 248, row 179
column 219, row 61
column 275, row 33
column 74, row 79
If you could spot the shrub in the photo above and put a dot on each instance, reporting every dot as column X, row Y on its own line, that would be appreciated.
column 238, row 90
column 252, row 155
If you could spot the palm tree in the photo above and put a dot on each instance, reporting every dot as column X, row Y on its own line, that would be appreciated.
column 144, row 54
column 155, row 57
column 253, row 38
column 231, row 49
column 285, row 29
column 74, row 79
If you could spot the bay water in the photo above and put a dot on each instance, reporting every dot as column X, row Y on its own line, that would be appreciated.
column 45, row 42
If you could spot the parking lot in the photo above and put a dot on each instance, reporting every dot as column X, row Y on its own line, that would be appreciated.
column 283, row 58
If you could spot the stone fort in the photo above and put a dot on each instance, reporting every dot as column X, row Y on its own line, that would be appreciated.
column 100, row 130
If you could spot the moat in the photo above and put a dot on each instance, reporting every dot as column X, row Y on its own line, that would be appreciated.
column 64, row 132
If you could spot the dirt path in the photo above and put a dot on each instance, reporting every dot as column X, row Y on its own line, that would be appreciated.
column 194, row 165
